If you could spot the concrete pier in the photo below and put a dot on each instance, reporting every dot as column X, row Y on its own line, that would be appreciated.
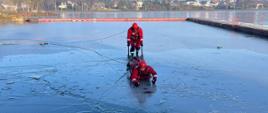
column 239, row 27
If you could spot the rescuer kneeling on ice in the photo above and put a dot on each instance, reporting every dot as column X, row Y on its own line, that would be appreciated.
column 135, row 39
column 142, row 72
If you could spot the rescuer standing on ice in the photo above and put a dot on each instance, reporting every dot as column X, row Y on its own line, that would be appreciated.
column 135, row 39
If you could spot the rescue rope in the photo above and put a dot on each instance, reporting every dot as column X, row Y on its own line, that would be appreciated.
column 112, row 86
column 110, row 36
column 88, row 49
column 104, row 38
column 92, row 50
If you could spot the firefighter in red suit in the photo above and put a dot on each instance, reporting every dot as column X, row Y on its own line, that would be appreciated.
column 142, row 72
column 135, row 38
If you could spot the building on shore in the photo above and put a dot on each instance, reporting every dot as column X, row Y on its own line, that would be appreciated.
column 139, row 4
column 9, row 7
column 127, row 5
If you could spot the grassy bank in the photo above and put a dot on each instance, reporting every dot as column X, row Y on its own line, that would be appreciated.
column 20, row 17
column 10, row 17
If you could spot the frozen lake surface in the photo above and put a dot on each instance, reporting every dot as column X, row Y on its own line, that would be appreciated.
column 201, row 69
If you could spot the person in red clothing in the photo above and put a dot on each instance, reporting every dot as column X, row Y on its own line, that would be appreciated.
column 142, row 72
column 135, row 39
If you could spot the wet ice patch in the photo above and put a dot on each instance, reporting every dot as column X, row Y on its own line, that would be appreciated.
column 20, row 42
column 148, row 92
column 36, row 77
column 32, row 70
column 15, row 76
column 10, row 82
